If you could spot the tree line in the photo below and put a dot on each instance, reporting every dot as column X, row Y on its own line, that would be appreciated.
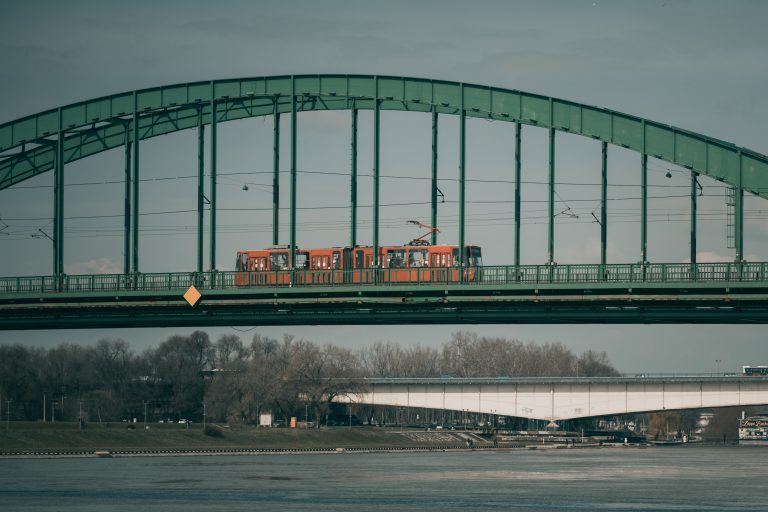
column 187, row 376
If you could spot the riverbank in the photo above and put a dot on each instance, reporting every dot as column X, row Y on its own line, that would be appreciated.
column 68, row 438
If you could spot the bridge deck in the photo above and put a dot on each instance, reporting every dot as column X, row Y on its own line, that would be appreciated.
column 657, row 293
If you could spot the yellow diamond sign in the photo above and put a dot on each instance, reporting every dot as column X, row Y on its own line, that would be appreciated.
column 192, row 296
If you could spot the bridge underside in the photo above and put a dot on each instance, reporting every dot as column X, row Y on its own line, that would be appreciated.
column 719, row 303
column 565, row 398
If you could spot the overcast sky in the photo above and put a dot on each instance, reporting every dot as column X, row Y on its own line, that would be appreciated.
column 696, row 65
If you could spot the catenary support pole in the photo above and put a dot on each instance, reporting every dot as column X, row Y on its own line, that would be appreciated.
column 604, row 205
column 276, row 176
column 200, row 187
column 518, row 170
column 694, row 195
column 293, row 174
column 376, row 129
column 353, row 183
column 127, row 202
column 434, row 177
column 135, row 183
column 212, row 188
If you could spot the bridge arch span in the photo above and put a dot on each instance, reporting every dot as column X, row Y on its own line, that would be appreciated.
column 92, row 126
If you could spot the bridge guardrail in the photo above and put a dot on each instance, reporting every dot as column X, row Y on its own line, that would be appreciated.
column 489, row 275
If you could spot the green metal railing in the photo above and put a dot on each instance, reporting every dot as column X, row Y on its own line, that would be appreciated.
column 472, row 276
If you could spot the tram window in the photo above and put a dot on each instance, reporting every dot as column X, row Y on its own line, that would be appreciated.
column 301, row 260
column 367, row 261
column 242, row 262
column 456, row 257
column 417, row 257
column 359, row 257
column 336, row 259
column 278, row 260
column 475, row 259
column 396, row 258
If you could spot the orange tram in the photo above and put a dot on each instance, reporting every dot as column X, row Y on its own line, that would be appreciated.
column 354, row 265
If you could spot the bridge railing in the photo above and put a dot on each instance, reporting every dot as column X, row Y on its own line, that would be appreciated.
column 470, row 276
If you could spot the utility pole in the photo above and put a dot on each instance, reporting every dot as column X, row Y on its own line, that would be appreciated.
column 203, row 415
column 145, row 415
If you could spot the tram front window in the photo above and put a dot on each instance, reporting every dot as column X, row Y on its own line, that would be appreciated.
column 278, row 261
column 475, row 259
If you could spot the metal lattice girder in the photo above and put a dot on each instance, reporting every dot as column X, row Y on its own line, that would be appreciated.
column 91, row 129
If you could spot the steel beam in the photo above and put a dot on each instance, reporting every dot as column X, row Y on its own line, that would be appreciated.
column 200, row 187
column 212, row 199
column 135, row 183
column 551, row 213
column 518, row 155
column 276, row 177
column 434, row 177
column 127, row 203
column 293, row 173
column 604, row 205
column 694, row 176
column 376, row 136
column 462, row 183
column 353, row 183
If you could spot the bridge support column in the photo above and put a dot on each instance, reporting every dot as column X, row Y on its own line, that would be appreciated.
column 200, row 187
column 551, row 237
column 293, row 173
column 694, row 182
column 135, row 180
column 212, row 199
column 604, row 207
column 276, row 177
column 518, row 136
column 376, row 128
column 127, row 203
column 462, row 185
column 434, row 177
column 353, row 183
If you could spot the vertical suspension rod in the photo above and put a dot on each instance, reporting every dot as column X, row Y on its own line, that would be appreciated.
column 353, row 182
column 462, row 184
column 644, row 209
column 200, row 187
column 376, row 130
column 135, row 183
column 604, row 205
column 276, row 176
column 518, row 155
column 58, row 203
column 212, row 199
column 293, row 173
column 434, row 177
column 127, row 202
column 551, row 232
column 740, row 215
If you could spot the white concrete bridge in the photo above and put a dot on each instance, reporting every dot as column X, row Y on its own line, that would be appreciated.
column 564, row 397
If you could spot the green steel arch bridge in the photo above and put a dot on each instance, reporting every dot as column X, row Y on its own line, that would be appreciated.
column 735, row 292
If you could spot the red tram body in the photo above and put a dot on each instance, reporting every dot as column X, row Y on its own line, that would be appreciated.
column 354, row 265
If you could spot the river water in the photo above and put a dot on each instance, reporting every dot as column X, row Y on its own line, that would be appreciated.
column 694, row 478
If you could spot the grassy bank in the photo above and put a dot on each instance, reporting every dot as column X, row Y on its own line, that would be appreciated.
column 67, row 437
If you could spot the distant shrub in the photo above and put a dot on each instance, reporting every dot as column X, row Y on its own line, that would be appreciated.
column 213, row 431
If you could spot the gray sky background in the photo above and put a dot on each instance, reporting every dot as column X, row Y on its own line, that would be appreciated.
column 696, row 65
